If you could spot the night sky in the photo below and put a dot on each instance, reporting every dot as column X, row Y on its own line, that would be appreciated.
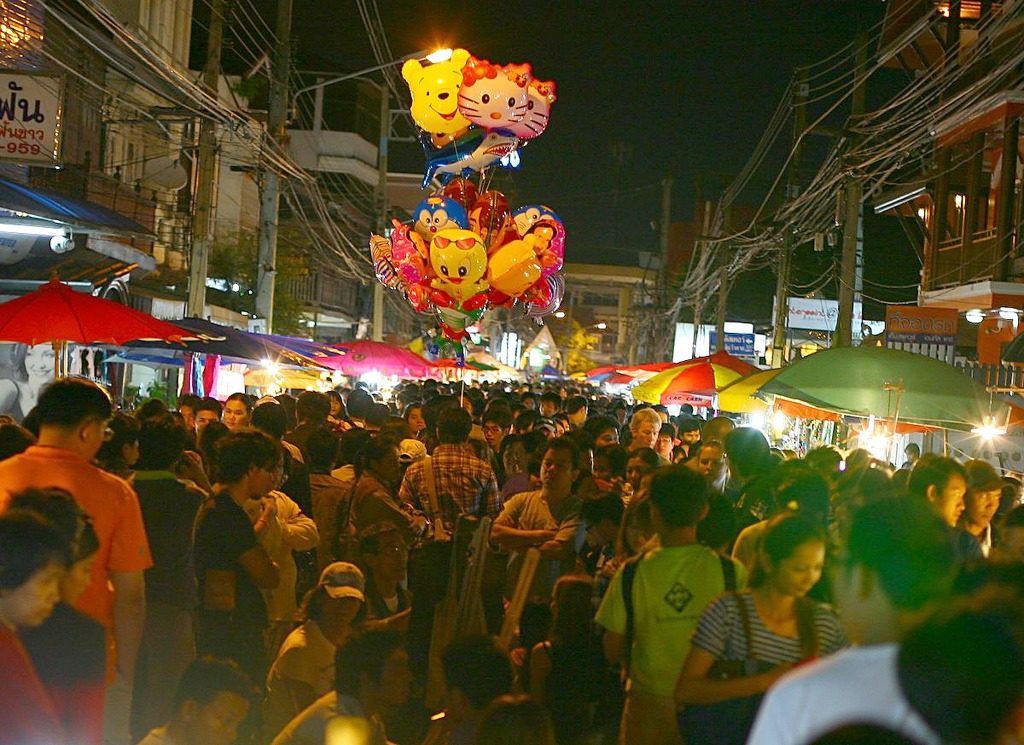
column 645, row 90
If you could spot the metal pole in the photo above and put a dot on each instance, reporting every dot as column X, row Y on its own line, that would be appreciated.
column 205, row 172
column 854, row 195
column 786, row 255
column 382, row 202
column 270, row 197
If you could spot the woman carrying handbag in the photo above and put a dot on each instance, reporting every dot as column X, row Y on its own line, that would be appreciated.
column 746, row 640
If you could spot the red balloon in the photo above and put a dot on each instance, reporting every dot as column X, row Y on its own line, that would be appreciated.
column 488, row 216
column 462, row 190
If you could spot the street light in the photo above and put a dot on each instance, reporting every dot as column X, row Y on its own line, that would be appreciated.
column 439, row 55
column 601, row 326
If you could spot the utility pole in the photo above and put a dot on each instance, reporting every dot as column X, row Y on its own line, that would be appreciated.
column 663, row 341
column 205, row 171
column 723, row 301
column 382, row 202
column 852, row 256
column 270, row 196
column 699, row 247
column 792, row 191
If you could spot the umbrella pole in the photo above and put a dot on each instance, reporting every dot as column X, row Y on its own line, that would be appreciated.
column 60, row 367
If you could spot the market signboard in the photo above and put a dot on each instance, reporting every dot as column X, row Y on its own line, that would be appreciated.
column 30, row 117
column 917, row 325
column 819, row 314
column 738, row 345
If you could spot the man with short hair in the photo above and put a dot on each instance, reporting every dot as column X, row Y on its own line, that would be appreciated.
column 212, row 701
column 74, row 417
column 644, row 426
column 669, row 587
column 476, row 672
column 462, row 482
column 547, row 519
column 207, row 410
column 688, row 430
column 550, row 403
column 372, row 679
column 577, row 408
column 899, row 567
column 187, row 403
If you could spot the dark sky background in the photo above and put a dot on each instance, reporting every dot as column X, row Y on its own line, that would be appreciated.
column 645, row 90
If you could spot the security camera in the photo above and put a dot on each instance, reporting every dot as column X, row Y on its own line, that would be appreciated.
column 61, row 244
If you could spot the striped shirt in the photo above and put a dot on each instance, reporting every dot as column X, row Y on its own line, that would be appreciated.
column 720, row 633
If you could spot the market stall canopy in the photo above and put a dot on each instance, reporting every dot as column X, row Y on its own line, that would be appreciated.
column 866, row 381
column 693, row 381
column 365, row 356
column 231, row 344
column 57, row 313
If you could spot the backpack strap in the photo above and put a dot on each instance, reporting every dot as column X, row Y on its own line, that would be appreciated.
column 728, row 573
column 628, row 577
column 433, row 503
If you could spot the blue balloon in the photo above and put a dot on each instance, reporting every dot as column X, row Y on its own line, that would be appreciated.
column 436, row 213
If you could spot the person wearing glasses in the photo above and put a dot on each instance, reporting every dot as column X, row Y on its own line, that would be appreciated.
column 74, row 416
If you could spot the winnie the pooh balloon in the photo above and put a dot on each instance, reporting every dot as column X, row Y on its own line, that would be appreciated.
column 435, row 93
column 459, row 259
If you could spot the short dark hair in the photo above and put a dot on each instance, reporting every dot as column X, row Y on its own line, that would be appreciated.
column 936, row 471
column 964, row 672
column 566, row 445
column 359, row 403
column 617, row 457
column 208, row 677
column 162, row 440
column 680, row 494
column 667, row 430
column 14, row 439
column 67, row 402
column 351, row 444
column 783, row 535
column 242, row 398
column 151, row 407
column 552, row 398
column 28, row 543
column 313, row 406
column 575, row 403
column 365, row 654
column 125, row 431
column 322, row 448
column 687, row 424
column 907, row 546
column 479, row 667
column 748, row 450
column 609, row 507
column 454, row 426
column 500, row 415
column 271, row 418
column 648, row 455
column 209, row 403
column 377, row 414
column 238, row 452
column 60, row 509
column 526, row 421
column 190, row 400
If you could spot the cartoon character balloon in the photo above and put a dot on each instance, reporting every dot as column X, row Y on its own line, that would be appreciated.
column 435, row 93
column 459, row 260
column 437, row 213
column 538, row 111
column 492, row 97
column 526, row 216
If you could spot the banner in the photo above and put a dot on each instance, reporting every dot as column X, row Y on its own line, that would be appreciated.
column 30, row 118
column 918, row 325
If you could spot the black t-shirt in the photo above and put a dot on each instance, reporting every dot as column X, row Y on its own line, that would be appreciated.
column 169, row 512
column 223, row 534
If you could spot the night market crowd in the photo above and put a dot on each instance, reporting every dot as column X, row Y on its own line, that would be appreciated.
column 490, row 564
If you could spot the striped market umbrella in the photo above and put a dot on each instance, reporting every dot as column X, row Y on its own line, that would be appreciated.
column 693, row 381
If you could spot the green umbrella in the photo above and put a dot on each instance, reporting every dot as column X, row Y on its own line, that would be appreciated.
column 889, row 383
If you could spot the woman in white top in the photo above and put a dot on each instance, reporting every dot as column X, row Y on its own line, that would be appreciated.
column 33, row 368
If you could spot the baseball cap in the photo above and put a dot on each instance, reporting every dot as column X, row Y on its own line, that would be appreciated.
column 545, row 423
column 343, row 580
column 410, row 451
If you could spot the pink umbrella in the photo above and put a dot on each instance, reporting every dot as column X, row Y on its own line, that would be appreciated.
column 373, row 356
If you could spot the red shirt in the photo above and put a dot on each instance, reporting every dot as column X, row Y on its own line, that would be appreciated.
column 29, row 715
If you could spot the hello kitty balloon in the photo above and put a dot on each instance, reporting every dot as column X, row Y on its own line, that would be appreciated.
column 492, row 97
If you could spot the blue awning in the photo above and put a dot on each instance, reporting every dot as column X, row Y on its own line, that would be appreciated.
column 77, row 213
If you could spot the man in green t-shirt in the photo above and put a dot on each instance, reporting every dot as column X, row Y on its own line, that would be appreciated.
column 671, row 586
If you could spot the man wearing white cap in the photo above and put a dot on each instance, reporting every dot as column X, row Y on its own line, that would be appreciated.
column 304, row 668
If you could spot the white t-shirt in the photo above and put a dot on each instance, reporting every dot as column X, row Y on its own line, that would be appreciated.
column 856, row 686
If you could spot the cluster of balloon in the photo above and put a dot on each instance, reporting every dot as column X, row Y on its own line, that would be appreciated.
column 473, row 114
column 465, row 252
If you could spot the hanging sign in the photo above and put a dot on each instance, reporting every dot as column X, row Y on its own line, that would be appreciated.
column 30, row 117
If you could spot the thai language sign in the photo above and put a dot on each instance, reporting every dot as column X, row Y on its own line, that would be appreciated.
column 917, row 325
column 30, row 117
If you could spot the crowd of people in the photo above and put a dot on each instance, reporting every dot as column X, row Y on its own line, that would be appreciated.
column 274, row 571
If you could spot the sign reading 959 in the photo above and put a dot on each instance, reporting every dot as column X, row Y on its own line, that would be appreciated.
column 30, row 117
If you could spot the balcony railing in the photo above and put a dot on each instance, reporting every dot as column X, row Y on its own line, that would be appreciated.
column 956, row 265
column 326, row 293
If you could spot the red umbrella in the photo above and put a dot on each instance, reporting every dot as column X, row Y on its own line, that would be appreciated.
column 373, row 356
column 56, row 313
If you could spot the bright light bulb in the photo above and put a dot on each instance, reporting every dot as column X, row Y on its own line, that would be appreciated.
column 441, row 55
column 602, row 326
column 974, row 315
column 560, row 314
column 1008, row 314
